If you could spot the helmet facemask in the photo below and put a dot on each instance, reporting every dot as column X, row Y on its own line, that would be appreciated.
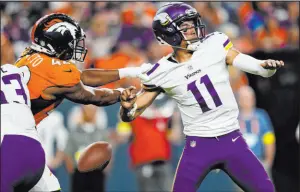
column 185, row 24
column 195, row 24
column 79, row 49
column 75, row 49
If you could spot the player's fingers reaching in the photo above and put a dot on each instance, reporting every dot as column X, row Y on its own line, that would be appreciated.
column 132, row 92
column 128, row 97
column 272, row 64
column 128, row 93
column 128, row 103
column 124, row 95
column 279, row 63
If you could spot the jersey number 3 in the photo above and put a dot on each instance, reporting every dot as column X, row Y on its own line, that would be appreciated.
column 209, row 86
column 7, row 80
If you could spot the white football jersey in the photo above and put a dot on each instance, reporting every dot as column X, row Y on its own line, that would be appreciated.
column 14, row 85
column 16, row 115
column 200, row 87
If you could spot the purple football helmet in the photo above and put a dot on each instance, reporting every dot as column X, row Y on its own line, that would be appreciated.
column 168, row 19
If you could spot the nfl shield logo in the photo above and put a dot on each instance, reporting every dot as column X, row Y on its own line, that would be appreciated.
column 193, row 143
column 190, row 67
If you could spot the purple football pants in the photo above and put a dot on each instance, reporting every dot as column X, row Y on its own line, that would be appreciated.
column 229, row 153
column 22, row 163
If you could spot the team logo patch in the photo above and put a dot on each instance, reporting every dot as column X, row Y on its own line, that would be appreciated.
column 62, row 27
column 164, row 18
column 51, row 23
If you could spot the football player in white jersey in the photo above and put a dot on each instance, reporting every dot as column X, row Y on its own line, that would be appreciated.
column 195, row 75
column 22, row 156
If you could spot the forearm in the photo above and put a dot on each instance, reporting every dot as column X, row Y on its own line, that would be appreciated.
column 99, row 97
column 99, row 77
column 104, row 97
column 269, row 154
column 251, row 65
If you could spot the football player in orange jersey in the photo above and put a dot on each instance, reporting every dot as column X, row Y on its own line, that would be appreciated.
column 57, row 40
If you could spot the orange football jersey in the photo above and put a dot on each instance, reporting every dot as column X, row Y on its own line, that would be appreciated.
column 47, row 72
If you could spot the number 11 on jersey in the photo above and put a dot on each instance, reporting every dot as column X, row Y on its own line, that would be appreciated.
column 198, row 96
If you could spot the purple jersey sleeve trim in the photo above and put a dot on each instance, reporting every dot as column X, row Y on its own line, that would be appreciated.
column 153, row 69
column 226, row 42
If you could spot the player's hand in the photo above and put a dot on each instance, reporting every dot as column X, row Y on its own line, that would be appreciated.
column 128, row 97
column 272, row 64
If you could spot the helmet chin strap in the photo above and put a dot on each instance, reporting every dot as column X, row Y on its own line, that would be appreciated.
column 191, row 47
column 194, row 46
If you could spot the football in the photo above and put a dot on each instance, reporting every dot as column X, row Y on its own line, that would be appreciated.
column 95, row 156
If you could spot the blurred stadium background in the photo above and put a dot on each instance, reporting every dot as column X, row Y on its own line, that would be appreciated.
column 120, row 35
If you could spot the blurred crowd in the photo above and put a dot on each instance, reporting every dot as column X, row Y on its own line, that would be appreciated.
column 119, row 34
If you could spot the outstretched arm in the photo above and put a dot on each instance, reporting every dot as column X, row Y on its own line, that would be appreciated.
column 99, row 77
column 131, row 108
column 264, row 68
column 86, row 95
